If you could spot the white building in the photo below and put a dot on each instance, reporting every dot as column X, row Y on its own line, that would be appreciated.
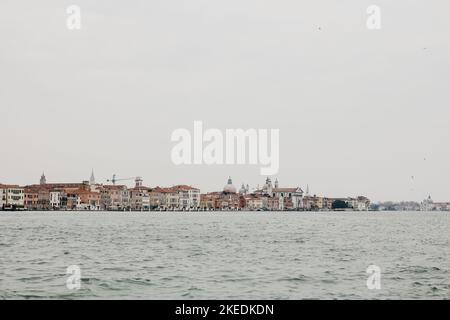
column 12, row 197
column 55, row 199
column 188, row 197
column 288, row 198
column 361, row 204
column 172, row 199
column 2, row 197
column 291, row 198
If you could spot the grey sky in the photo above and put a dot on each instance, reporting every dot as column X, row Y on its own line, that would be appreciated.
column 360, row 112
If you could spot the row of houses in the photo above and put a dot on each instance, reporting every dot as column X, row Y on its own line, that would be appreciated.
column 89, row 195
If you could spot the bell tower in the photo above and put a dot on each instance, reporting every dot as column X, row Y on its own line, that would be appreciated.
column 43, row 179
column 92, row 179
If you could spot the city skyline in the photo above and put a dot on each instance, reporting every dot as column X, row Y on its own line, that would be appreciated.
column 92, row 196
column 130, row 182
column 118, row 195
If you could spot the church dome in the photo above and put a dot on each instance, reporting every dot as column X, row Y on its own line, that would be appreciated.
column 229, row 188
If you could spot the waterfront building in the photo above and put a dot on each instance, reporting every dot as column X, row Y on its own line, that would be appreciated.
column 274, row 203
column 2, row 197
column 12, row 197
column 172, row 199
column 307, row 203
column 179, row 197
column 55, row 198
column 227, row 199
column 114, row 197
column 327, row 203
column 87, row 200
column 314, row 203
column 292, row 197
column 188, row 197
column 158, row 198
column 254, row 202
column 288, row 198
column 359, row 203
column 209, row 201
column 140, row 196
column 31, row 198
column 352, row 203
column 72, row 200
column 43, row 199
column 362, row 204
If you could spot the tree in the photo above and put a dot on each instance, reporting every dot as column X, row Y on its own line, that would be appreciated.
column 339, row 204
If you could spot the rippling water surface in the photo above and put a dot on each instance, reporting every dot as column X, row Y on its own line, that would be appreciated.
column 224, row 255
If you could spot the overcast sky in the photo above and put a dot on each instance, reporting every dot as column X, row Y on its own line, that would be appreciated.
column 360, row 112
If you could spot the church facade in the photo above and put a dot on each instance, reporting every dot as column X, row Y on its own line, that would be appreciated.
column 281, row 198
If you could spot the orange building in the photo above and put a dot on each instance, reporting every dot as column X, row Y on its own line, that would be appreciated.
column 88, row 200
column 31, row 198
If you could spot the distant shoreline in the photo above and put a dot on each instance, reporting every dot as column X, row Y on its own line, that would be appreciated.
column 227, row 211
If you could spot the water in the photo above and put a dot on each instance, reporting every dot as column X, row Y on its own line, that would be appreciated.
column 224, row 255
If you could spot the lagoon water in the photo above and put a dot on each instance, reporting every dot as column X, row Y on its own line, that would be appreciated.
column 142, row 255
